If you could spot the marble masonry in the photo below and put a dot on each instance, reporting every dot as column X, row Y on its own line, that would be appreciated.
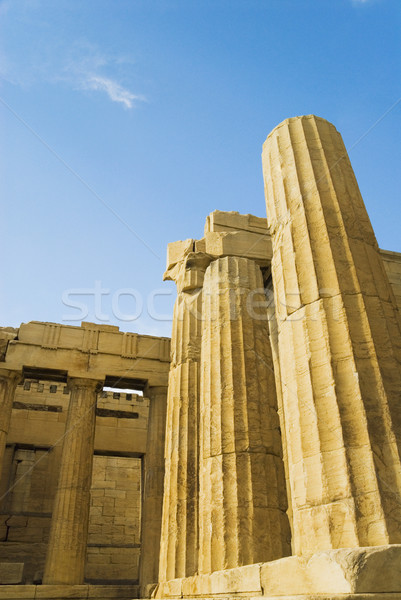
column 259, row 454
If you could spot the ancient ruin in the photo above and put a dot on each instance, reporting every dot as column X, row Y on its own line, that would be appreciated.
column 260, row 456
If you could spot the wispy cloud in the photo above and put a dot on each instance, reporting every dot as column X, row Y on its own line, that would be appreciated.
column 114, row 90
column 88, row 68
column 78, row 64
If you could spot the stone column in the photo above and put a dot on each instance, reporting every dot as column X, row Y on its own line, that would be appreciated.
column 273, row 334
column 8, row 383
column 242, row 485
column 66, row 553
column 153, row 488
column 179, row 537
column 339, row 344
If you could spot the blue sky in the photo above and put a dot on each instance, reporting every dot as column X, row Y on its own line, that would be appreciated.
column 124, row 123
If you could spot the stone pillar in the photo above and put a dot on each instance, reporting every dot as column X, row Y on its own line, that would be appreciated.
column 66, row 553
column 153, row 488
column 273, row 334
column 242, row 484
column 179, row 537
column 339, row 344
column 8, row 382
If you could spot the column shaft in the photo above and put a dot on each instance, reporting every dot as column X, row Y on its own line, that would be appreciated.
column 179, row 526
column 8, row 382
column 66, row 553
column 153, row 487
column 242, row 486
column 179, row 538
column 339, row 344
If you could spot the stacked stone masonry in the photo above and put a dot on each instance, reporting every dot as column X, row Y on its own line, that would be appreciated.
column 74, row 458
column 263, row 457
column 113, row 546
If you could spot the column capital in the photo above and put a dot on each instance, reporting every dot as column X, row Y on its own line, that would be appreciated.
column 84, row 383
column 155, row 390
column 11, row 375
column 188, row 273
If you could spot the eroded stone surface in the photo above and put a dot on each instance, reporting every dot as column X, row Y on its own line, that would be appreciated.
column 242, row 490
column 179, row 537
column 11, row 573
column 339, row 344
column 336, row 355
column 65, row 560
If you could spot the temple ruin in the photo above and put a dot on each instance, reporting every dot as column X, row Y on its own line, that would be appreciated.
column 259, row 453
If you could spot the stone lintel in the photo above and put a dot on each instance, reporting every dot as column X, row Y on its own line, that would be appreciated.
column 246, row 244
column 347, row 572
column 226, row 234
column 92, row 352
column 191, row 254
column 105, row 339
column 233, row 221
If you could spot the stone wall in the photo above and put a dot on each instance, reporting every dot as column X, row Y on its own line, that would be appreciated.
column 29, row 480
column 114, row 519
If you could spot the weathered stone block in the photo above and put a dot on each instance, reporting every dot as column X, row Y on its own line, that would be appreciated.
column 242, row 580
column 169, row 589
column 114, row 592
column 11, row 573
column 17, row 592
column 343, row 571
column 231, row 220
column 240, row 243
column 61, row 592
column 177, row 250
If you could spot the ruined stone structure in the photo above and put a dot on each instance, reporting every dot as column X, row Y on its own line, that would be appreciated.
column 82, row 468
column 269, row 447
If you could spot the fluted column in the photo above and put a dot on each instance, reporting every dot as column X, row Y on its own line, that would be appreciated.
column 153, row 488
column 179, row 537
column 242, row 484
column 65, row 560
column 273, row 334
column 8, row 382
column 339, row 344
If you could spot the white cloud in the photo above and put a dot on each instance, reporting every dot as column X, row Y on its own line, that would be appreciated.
column 89, row 69
column 113, row 89
column 80, row 65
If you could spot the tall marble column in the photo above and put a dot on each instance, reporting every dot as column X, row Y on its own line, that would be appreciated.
column 153, row 488
column 8, row 383
column 242, row 484
column 66, row 553
column 179, row 537
column 339, row 344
